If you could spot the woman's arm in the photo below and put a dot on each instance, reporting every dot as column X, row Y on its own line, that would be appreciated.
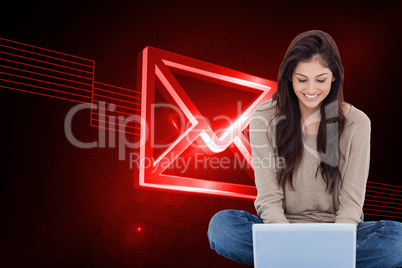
column 269, row 197
column 351, row 195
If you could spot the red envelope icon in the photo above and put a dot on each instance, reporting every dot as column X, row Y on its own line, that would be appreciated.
column 196, row 133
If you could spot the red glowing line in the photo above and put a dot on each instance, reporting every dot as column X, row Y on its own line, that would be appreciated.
column 382, row 206
column 120, row 119
column 42, row 94
column 383, row 202
column 116, row 92
column 381, row 215
column 92, row 93
column 144, row 66
column 118, row 112
column 384, row 184
column 383, row 193
column 200, row 190
column 46, row 49
column 174, row 123
column 45, row 75
column 219, row 76
column 116, row 98
column 384, row 188
column 384, row 197
column 46, row 56
column 45, row 62
column 47, row 69
column 114, row 129
column 120, row 88
column 44, row 88
column 381, row 211
column 45, row 81
column 124, row 107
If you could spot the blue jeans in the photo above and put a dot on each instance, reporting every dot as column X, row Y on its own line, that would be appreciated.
column 379, row 243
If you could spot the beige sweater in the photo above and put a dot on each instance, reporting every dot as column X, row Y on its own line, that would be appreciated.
column 310, row 202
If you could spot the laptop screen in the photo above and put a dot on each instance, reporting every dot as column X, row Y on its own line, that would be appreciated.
column 330, row 245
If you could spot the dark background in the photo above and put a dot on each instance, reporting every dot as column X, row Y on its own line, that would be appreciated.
column 65, row 206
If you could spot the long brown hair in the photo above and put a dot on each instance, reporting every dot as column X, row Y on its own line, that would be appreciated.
column 289, row 143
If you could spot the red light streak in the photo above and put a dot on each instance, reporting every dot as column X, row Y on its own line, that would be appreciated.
column 174, row 124
column 111, row 129
column 45, row 49
column 380, row 201
column 46, row 95
column 115, row 98
column 43, row 68
column 45, row 62
column 115, row 122
column 382, row 206
column 119, row 112
column 385, row 184
column 30, row 52
column 68, row 93
column 34, row 79
column 383, row 211
column 383, row 197
column 117, row 93
column 41, row 74
column 382, row 193
column 137, row 92
column 369, row 186
column 379, row 215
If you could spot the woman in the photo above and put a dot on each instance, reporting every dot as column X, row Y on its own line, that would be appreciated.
column 324, row 144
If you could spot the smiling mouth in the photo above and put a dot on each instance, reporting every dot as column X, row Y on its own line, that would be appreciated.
column 311, row 96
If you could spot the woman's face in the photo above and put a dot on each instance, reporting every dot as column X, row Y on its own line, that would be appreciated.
column 311, row 83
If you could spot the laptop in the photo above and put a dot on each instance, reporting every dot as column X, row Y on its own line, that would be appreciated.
column 310, row 245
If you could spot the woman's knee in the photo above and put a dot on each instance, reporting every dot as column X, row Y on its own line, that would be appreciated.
column 219, row 225
column 230, row 235
column 382, row 240
column 394, row 230
column 222, row 216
